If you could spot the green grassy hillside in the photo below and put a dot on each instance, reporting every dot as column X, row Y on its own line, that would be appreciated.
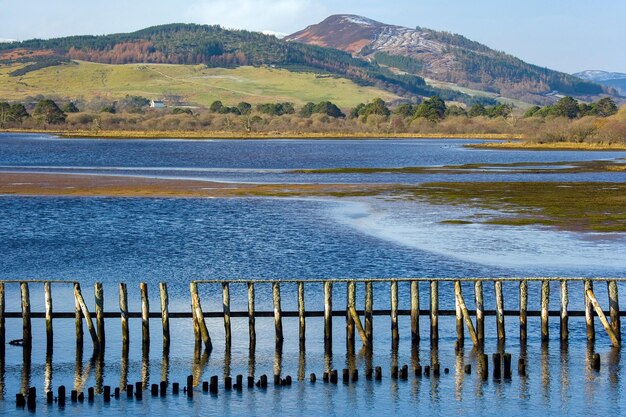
column 193, row 83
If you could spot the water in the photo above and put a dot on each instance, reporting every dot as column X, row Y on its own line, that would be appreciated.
column 152, row 240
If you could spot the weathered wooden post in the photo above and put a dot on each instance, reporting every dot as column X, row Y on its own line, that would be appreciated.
column 564, row 312
column 226, row 307
column 460, row 302
column 415, row 312
column 251, row 313
column 278, row 315
column 2, row 320
column 545, row 306
column 124, row 314
column 603, row 320
column 99, row 298
column 395, row 336
column 328, row 313
column 200, row 324
column 591, row 331
column 83, row 307
column 48, row 302
column 78, row 320
column 145, row 314
column 165, row 315
column 27, row 336
column 499, row 310
column 434, row 311
column 523, row 307
column 480, row 311
column 460, row 333
column 350, row 304
column 614, row 308
column 369, row 309
column 301, row 312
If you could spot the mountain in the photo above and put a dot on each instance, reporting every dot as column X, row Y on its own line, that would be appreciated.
column 616, row 80
column 444, row 57
column 214, row 47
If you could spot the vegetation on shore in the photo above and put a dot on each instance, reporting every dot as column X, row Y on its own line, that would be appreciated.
column 597, row 125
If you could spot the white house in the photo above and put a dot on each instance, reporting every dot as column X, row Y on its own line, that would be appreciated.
column 157, row 104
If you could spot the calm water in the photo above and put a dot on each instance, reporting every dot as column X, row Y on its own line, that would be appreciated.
column 133, row 240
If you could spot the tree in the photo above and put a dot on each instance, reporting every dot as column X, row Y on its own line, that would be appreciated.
column 48, row 112
column 18, row 113
column 244, row 108
column 216, row 107
column 377, row 107
column 433, row 109
column 605, row 107
column 405, row 110
column 70, row 107
column 477, row 110
column 566, row 107
column 307, row 110
column 532, row 111
column 456, row 111
column 356, row 111
column 178, row 110
column 329, row 109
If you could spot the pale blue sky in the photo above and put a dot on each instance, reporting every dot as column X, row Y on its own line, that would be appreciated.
column 570, row 35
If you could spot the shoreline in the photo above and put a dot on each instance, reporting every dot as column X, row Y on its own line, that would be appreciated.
column 208, row 135
column 553, row 146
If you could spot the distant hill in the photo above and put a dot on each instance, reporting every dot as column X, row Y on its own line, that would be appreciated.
column 445, row 57
column 615, row 80
column 212, row 46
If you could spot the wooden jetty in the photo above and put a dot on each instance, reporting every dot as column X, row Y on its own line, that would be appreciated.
column 358, row 320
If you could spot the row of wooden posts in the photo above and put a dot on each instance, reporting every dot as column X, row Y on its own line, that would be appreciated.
column 352, row 315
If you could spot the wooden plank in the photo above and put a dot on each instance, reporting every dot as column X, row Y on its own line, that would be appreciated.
column 301, row 312
column 480, row 311
column 369, row 308
column 226, row 309
column 591, row 331
column 48, row 303
column 251, row 314
column 564, row 312
column 434, row 311
column 523, row 308
column 351, row 302
column 328, row 308
column 27, row 335
column 2, row 319
column 278, row 319
column 357, row 322
column 395, row 336
column 499, row 310
column 145, row 314
column 202, row 330
column 99, row 300
column 545, row 308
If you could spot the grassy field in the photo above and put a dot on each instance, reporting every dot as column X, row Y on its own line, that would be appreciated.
column 194, row 83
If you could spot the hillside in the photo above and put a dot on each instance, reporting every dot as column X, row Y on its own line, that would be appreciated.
column 185, row 83
column 214, row 47
column 615, row 80
column 445, row 57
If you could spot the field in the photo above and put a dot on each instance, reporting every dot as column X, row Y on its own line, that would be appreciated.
column 193, row 83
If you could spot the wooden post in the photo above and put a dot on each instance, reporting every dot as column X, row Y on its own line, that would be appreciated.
column 278, row 319
column 145, row 314
column 26, row 327
column 83, row 307
column 460, row 301
column 48, row 301
column 199, row 317
column 359, row 327
column 351, row 302
column 480, row 311
column 545, row 306
column 591, row 331
column 394, row 311
column 124, row 314
column 460, row 333
column 603, row 320
column 415, row 312
column 2, row 322
column 369, row 308
column 614, row 308
column 165, row 314
column 99, row 297
column 434, row 311
column 226, row 307
column 564, row 313
column 328, row 312
column 523, row 307
column 301, row 312
column 499, row 310
column 78, row 319
column 251, row 313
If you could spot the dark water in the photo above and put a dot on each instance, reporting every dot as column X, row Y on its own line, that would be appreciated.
column 133, row 240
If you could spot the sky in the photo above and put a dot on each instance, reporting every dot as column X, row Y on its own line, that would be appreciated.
column 566, row 35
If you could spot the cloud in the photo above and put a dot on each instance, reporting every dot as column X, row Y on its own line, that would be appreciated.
column 275, row 15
